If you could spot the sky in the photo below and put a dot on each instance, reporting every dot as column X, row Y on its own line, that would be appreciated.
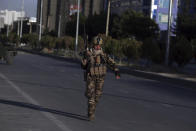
column 30, row 6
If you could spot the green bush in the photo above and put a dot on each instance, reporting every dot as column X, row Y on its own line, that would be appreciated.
column 13, row 38
column 48, row 42
column 25, row 38
column 113, row 47
column 107, row 45
column 182, row 51
column 33, row 40
column 131, row 48
column 59, row 43
column 3, row 38
column 117, row 48
column 68, row 42
column 81, row 43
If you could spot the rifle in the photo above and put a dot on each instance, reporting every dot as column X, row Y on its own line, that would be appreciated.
column 84, row 52
column 85, row 37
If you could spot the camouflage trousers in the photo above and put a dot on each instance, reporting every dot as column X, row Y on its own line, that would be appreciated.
column 93, row 93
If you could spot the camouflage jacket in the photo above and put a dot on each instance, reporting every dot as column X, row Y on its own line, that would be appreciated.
column 95, row 62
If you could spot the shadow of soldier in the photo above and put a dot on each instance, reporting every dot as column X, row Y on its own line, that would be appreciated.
column 43, row 109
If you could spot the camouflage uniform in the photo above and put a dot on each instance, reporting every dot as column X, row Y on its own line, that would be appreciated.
column 95, row 62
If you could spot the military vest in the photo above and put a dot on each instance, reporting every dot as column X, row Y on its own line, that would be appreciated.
column 97, row 63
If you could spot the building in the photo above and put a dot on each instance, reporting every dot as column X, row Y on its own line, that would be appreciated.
column 91, row 7
column 29, row 25
column 2, row 22
column 8, row 17
column 159, row 13
column 55, row 14
column 120, row 6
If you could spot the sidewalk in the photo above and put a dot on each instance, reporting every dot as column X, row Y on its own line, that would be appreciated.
column 182, row 78
column 177, row 78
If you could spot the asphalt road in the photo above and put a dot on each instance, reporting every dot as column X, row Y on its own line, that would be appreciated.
column 43, row 94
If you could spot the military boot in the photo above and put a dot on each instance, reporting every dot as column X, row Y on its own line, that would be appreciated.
column 91, row 112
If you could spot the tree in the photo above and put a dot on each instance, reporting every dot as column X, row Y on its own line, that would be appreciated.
column 186, row 26
column 71, row 25
column 193, row 43
column 96, row 24
column 151, row 51
column 186, row 21
column 182, row 51
column 131, row 49
column 135, row 24
column 92, row 25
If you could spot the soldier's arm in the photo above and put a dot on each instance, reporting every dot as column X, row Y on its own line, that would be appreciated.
column 112, row 65
column 84, row 60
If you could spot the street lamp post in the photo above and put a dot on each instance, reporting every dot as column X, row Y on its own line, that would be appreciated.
column 59, row 27
column 18, row 31
column 7, row 30
column 168, row 33
column 108, row 19
column 77, row 27
column 21, row 26
column 40, row 24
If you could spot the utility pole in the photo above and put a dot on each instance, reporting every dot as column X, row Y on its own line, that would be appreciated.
column 30, row 24
column 108, row 19
column 18, row 31
column 59, row 28
column 77, row 27
column 168, row 33
column 40, row 25
column 7, row 30
column 22, row 10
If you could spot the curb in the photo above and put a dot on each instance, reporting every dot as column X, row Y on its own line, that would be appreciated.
column 72, row 60
column 158, row 77
column 124, row 70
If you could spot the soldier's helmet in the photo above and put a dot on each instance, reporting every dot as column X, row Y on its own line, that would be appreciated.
column 97, row 40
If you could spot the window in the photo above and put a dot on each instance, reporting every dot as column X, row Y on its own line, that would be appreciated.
column 156, row 2
column 154, row 17
column 164, row 3
column 163, row 18
column 154, row 14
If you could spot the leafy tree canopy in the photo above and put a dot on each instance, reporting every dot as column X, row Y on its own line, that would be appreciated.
column 135, row 24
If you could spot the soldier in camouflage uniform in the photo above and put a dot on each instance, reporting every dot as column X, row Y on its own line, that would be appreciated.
column 94, row 62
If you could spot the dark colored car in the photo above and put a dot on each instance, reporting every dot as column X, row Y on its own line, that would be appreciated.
column 7, row 52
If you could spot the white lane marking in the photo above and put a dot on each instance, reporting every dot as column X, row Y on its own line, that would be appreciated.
column 59, row 123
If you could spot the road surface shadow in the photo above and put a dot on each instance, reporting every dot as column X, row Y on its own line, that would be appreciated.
column 43, row 109
column 116, row 96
